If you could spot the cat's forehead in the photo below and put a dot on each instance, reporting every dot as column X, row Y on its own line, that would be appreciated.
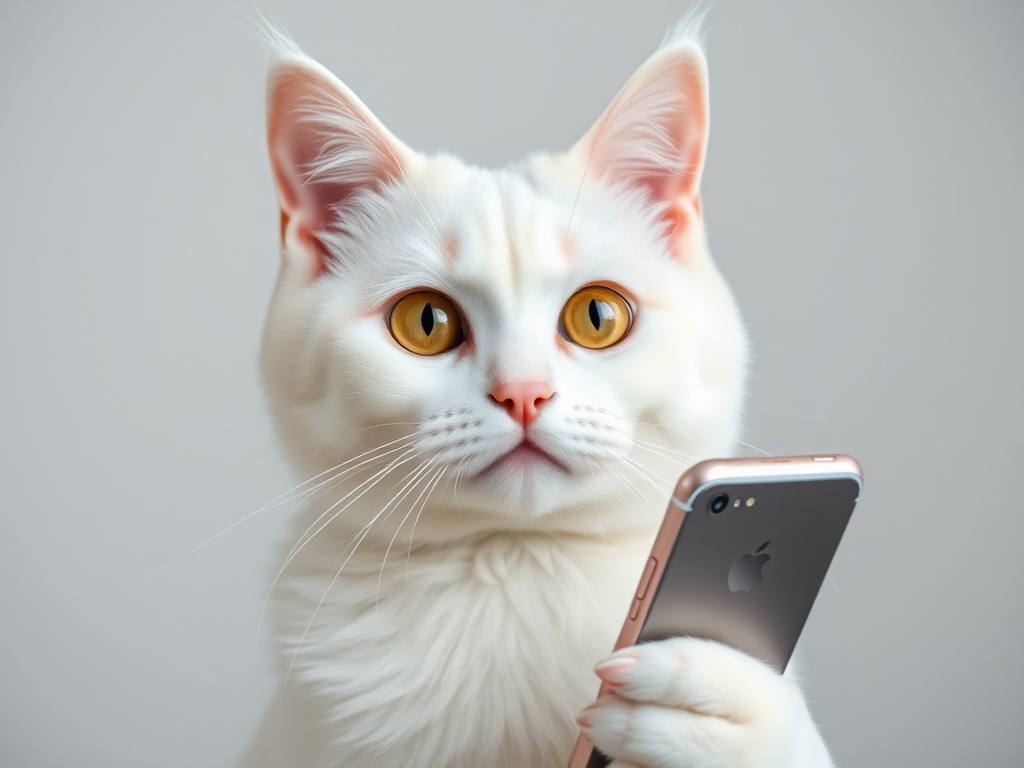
column 508, row 236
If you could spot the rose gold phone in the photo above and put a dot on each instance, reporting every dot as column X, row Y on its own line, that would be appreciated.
column 740, row 557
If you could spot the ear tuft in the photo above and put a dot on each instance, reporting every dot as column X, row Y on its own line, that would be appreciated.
column 276, row 41
column 688, row 30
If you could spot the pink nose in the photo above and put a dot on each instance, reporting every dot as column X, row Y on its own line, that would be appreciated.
column 522, row 399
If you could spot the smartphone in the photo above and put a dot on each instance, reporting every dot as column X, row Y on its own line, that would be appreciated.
column 740, row 557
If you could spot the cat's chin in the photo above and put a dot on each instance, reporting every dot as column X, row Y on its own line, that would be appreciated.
column 524, row 480
column 522, row 460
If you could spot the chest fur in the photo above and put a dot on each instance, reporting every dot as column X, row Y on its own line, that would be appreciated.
column 474, row 655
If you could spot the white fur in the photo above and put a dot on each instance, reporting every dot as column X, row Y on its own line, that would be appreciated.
column 428, row 615
column 686, row 702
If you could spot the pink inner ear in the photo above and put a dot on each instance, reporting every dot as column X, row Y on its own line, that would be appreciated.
column 686, row 127
column 324, row 146
column 654, row 135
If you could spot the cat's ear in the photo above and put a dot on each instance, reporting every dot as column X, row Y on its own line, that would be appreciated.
column 325, row 147
column 654, row 134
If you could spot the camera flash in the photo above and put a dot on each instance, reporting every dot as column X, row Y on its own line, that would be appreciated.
column 750, row 501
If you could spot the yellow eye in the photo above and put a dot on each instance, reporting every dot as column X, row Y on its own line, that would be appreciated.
column 596, row 317
column 426, row 323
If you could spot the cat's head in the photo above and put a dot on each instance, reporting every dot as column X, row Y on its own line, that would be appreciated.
column 541, row 346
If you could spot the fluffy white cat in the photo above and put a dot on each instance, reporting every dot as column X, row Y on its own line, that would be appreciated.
column 493, row 378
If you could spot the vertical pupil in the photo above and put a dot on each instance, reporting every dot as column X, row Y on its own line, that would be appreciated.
column 595, row 315
column 427, row 319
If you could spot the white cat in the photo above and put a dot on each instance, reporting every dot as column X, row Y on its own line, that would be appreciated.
column 493, row 378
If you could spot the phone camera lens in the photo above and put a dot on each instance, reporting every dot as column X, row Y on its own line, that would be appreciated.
column 720, row 502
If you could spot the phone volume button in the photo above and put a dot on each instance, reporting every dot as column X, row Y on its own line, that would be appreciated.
column 645, row 579
column 634, row 609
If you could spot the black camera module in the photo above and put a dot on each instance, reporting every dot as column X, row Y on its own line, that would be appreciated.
column 720, row 502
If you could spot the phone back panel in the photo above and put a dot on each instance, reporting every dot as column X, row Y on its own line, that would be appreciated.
column 748, row 575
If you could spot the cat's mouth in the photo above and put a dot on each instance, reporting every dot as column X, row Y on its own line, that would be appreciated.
column 524, row 457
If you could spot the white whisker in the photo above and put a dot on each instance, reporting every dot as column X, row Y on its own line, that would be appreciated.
column 646, row 473
column 699, row 433
column 600, row 229
column 615, row 486
column 639, row 494
column 364, row 532
column 575, row 202
column 278, row 501
column 754, row 447
column 406, row 451
column 406, row 490
column 416, row 520
column 661, row 450
column 366, row 485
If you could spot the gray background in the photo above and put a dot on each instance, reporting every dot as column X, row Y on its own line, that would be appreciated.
column 864, row 196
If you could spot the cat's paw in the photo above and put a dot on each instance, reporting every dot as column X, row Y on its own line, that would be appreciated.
column 689, row 703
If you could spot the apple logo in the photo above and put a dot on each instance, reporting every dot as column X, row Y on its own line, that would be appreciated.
column 745, row 573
